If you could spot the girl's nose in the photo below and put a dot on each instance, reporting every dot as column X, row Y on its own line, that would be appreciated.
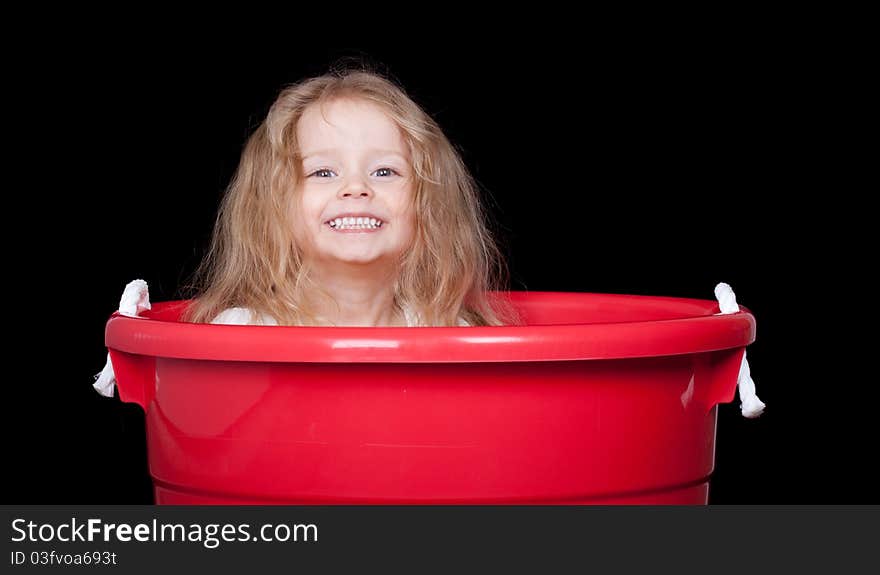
column 355, row 187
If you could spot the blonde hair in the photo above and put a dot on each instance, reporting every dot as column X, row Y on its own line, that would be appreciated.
column 453, row 269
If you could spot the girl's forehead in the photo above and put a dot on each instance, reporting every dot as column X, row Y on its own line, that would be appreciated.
column 346, row 124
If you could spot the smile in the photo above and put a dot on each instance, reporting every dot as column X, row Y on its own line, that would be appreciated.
column 356, row 224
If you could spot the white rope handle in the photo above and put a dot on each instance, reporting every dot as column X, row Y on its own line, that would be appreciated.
column 135, row 299
column 751, row 406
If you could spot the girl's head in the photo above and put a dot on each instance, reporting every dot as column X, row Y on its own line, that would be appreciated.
column 352, row 144
column 355, row 163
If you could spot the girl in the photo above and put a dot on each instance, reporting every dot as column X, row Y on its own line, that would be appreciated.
column 350, row 207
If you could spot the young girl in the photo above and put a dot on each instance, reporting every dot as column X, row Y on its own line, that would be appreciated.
column 351, row 208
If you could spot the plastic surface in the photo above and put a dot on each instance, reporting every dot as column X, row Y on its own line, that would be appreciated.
column 599, row 399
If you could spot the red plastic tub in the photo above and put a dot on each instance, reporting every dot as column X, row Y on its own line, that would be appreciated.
column 605, row 399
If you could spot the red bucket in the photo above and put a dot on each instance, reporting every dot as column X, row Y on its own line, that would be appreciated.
column 599, row 399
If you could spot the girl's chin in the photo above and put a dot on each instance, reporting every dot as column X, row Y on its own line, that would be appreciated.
column 356, row 259
column 358, row 255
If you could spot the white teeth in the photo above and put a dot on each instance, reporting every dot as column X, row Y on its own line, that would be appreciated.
column 358, row 222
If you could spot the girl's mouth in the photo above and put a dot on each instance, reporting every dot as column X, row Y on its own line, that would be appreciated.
column 354, row 225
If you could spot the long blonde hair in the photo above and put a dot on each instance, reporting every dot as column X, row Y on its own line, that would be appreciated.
column 454, row 268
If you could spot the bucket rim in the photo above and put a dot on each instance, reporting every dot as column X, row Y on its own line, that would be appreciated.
column 700, row 329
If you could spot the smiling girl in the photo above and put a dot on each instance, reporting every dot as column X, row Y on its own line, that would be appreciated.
column 350, row 207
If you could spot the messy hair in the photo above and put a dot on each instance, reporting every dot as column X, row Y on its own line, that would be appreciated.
column 453, row 269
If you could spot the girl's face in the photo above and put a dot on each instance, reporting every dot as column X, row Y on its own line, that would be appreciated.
column 357, row 186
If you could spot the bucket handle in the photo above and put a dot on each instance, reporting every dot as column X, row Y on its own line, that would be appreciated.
column 720, row 370
column 135, row 377
column 133, row 374
column 751, row 406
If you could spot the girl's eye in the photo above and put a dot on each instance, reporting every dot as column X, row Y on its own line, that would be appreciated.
column 390, row 170
column 322, row 171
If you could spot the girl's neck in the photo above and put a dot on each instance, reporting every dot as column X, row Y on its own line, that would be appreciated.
column 357, row 299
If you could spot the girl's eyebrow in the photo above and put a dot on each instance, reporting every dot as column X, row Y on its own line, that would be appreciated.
column 375, row 152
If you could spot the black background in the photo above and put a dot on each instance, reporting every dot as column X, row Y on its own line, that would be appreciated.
column 656, row 167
